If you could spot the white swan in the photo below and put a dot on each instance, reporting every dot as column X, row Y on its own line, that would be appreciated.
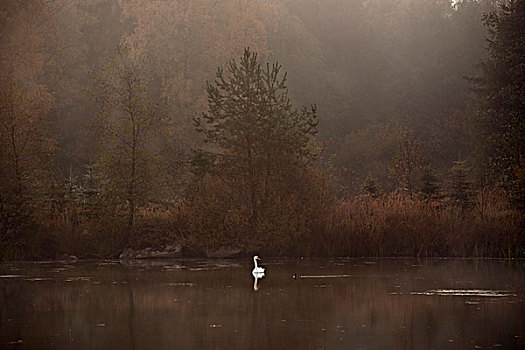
column 257, row 270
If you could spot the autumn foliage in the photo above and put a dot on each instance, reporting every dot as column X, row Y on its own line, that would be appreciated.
column 283, row 127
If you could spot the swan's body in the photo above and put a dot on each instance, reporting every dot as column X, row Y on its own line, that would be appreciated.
column 257, row 270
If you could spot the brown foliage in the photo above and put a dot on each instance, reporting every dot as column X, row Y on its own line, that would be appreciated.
column 305, row 222
column 288, row 222
column 401, row 225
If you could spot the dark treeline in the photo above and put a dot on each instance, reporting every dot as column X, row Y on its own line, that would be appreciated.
column 386, row 128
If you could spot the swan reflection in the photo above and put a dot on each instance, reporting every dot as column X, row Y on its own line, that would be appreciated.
column 256, row 277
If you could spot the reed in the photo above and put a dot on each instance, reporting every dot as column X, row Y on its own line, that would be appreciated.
column 396, row 224
column 393, row 224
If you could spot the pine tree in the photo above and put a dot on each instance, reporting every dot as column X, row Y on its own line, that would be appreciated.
column 461, row 185
column 430, row 186
column 371, row 187
column 259, row 138
column 501, row 91
column 407, row 162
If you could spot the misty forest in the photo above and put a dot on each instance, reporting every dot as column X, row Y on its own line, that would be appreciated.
column 288, row 128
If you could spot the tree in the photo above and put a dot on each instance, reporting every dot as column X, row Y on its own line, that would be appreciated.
column 25, row 160
column 259, row 140
column 501, row 91
column 186, row 40
column 127, row 120
column 430, row 187
column 368, row 152
column 87, row 34
column 407, row 163
column 371, row 187
column 461, row 184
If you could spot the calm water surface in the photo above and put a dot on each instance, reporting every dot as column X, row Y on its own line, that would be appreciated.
column 215, row 304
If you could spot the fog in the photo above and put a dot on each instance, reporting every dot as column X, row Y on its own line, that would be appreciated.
column 101, row 98
column 364, row 63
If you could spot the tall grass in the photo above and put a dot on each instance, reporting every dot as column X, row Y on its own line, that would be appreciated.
column 393, row 224
column 399, row 225
column 79, row 230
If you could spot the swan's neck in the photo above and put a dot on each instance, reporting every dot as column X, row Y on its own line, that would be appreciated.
column 255, row 262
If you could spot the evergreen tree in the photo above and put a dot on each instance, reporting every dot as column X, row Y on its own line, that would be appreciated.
column 501, row 90
column 370, row 186
column 407, row 162
column 430, row 187
column 259, row 135
column 461, row 184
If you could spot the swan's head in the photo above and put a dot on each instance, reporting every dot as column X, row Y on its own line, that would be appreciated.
column 256, row 258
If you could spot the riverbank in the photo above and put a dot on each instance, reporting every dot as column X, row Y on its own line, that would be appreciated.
column 392, row 225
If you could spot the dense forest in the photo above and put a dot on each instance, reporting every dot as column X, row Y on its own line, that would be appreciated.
column 312, row 128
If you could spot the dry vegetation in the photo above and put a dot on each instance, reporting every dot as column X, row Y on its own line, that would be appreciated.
column 115, row 132
column 399, row 225
column 389, row 225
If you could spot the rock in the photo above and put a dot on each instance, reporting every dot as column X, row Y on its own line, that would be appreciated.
column 68, row 258
column 168, row 252
column 224, row 253
column 127, row 254
column 167, row 264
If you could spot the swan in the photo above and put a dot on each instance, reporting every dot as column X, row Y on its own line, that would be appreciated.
column 257, row 270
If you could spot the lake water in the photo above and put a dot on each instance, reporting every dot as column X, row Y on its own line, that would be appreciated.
column 214, row 304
